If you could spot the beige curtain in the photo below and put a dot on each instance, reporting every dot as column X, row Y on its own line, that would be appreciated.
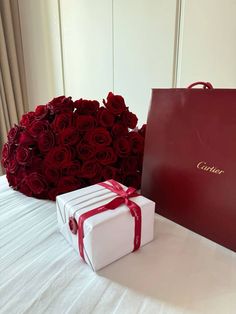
column 13, row 94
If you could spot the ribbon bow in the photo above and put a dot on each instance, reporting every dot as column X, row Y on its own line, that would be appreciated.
column 123, row 197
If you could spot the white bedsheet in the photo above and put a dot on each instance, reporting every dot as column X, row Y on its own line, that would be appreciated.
column 179, row 272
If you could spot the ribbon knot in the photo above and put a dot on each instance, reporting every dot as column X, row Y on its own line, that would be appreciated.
column 123, row 197
column 124, row 194
column 118, row 189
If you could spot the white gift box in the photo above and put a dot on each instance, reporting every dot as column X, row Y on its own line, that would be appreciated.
column 108, row 235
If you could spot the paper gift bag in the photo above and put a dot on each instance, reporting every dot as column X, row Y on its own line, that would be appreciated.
column 190, row 159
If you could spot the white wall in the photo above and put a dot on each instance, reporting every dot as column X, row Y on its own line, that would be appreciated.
column 208, row 42
column 124, row 46
column 85, row 48
column 42, row 49
column 144, row 37
column 121, row 46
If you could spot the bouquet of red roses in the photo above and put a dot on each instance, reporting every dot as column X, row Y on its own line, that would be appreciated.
column 66, row 145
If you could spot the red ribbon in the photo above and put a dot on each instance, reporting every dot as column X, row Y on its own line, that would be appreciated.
column 122, row 198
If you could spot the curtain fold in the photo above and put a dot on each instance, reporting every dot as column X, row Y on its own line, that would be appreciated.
column 13, row 93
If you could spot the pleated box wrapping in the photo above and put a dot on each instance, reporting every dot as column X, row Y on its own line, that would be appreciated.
column 108, row 235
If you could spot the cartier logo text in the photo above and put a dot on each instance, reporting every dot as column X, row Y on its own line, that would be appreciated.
column 202, row 165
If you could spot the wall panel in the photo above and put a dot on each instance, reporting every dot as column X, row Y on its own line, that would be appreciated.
column 87, row 47
column 207, row 42
column 144, row 49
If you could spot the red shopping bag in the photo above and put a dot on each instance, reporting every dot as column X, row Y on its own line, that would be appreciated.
column 189, row 165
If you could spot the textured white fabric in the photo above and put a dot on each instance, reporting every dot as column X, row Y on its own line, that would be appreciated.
column 179, row 272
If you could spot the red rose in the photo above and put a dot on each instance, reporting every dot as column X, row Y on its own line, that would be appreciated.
column 59, row 157
column 20, row 175
column 137, row 142
column 36, row 164
column 46, row 141
column 84, row 123
column 85, row 151
column 69, row 183
column 122, row 147
column 52, row 193
column 52, row 174
column 13, row 134
column 4, row 163
column 86, row 106
column 71, row 169
column 26, row 139
column 133, row 180
column 119, row 129
column 73, row 144
column 69, row 136
column 106, row 156
column 129, row 164
column 115, row 103
column 27, row 119
column 23, row 155
column 25, row 189
column 99, row 136
column 94, row 180
column 12, row 179
column 36, row 183
column 37, row 127
column 12, row 164
column 41, row 112
column 105, row 118
column 63, row 120
column 7, row 150
column 142, row 131
column 61, row 104
column 90, row 169
column 129, row 119
column 109, row 172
